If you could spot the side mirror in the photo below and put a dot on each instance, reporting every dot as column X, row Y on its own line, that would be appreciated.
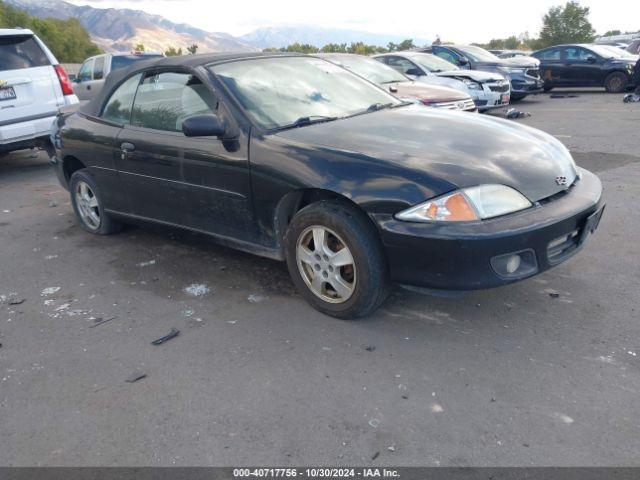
column 463, row 61
column 414, row 72
column 203, row 126
column 591, row 59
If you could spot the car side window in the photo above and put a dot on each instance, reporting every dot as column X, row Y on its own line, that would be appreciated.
column 118, row 108
column 84, row 75
column 165, row 100
column 98, row 68
column 552, row 54
column 578, row 54
column 401, row 64
column 447, row 55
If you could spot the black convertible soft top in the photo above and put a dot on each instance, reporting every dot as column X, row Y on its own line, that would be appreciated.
column 94, row 106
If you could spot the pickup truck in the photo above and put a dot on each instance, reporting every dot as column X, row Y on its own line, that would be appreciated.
column 95, row 69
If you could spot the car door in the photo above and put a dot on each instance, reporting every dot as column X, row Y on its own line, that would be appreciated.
column 82, row 86
column 94, row 86
column 552, row 68
column 196, row 182
column 583, row 68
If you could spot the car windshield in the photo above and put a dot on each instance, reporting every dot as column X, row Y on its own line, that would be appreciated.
column 478, row 54
column 283, row 91
column 121, row 61
column 368, row 68
column 432, row 63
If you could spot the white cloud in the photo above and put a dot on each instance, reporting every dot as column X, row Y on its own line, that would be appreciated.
column 461, row 21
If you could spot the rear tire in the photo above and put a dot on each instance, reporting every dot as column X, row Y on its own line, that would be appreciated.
column 516, row 97
column 349, row 256
column 547, row 88
column 88, row 206
column 616, row 82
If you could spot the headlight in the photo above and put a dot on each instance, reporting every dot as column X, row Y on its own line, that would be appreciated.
column 468, row 204
column 472, row 85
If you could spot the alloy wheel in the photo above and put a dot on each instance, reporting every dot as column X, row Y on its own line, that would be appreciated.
column 326, row 264
column 88, row 206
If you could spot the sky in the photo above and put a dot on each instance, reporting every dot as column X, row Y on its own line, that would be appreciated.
column 452, row 20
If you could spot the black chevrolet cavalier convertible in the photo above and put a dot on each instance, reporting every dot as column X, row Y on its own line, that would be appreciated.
column 293, row 158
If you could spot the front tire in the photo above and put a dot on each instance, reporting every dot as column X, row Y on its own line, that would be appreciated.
column 336, row 260
column 88, row 206
column 616, row 82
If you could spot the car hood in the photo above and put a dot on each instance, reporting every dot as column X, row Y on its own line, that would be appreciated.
column 424, row 92
column 475, row 75
column 516, row 62
column 462, row 149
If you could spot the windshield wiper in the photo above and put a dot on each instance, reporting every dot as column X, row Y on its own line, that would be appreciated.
column 310, row 120
column 374, row 107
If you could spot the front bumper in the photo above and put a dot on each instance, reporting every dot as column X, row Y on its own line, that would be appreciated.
column 458, row 256
column 525, row 84
column 493, row 95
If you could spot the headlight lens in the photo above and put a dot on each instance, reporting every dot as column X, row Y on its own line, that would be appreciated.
column 473, row 203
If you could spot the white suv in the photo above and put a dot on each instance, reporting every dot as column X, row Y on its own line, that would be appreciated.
column 33, row 87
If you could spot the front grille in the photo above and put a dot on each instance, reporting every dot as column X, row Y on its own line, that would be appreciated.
column 533, row 72
column 460, row 105
column 499, row 88
column 563, row 246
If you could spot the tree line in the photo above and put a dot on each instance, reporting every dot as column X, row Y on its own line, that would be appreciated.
column 568, row 23
column 67, row 39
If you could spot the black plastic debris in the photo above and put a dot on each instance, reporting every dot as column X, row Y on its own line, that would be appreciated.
column 369, row 348
column 135, row 376
column 173, row 333
column 563, row 95
column 99, row 321
column 16, row 301
column 631, row 98
column 554, row 294
column 375, row 455
column 512, row 114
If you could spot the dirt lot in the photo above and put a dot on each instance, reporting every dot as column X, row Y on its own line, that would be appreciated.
column 511, row 376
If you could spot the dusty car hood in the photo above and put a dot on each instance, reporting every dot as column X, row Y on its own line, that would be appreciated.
column 463, row 149
column 475, row 75
column 422, row 91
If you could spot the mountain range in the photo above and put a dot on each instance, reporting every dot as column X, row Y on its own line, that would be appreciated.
column 118, row 29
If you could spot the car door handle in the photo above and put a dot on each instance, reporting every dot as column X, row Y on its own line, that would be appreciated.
column 127, row 147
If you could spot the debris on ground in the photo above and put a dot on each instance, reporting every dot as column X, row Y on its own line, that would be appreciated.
column 369, row 348
column 174, row 332
column 49, row 291
column 99, row 321
column 197, row 289
column 512, row 114
column 146, row 264
column 135, row 376
column 436, row 408
column 12, row 299
column 255, row 298
column 375, row 455
column 563, row 95
column 374, row 422
column 631, row 98
column 552, row 293
column 391, row 448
